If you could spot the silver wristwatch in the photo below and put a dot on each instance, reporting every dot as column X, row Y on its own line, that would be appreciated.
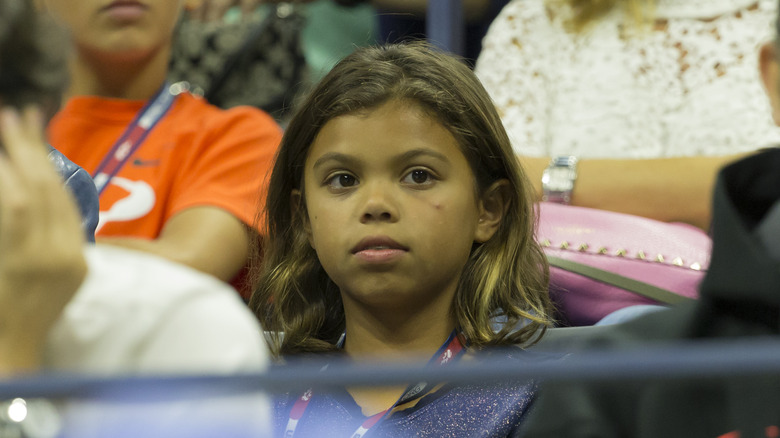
column 558, row 179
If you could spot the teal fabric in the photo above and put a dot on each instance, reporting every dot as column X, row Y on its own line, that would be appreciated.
column 334, row 31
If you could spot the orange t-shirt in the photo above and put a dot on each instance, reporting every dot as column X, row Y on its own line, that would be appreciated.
column 196, row 155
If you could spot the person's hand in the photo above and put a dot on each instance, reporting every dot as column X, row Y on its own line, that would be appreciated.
column 214, row 10
column 41, row 243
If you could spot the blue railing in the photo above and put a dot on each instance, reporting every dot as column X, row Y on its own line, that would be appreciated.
column 444, row 25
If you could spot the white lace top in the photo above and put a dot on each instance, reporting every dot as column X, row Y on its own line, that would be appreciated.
column 689, row 86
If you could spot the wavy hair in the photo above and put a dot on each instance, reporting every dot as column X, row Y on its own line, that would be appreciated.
column 33, row 57
column 504, row 277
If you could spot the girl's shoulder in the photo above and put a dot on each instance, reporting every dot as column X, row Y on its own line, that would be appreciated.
column 451, row 409
column 472, row 408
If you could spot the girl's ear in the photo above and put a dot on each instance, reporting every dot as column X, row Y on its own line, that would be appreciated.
column 296, row 207
column 493, row 207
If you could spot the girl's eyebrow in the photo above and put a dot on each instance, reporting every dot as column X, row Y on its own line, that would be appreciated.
column 406, row 156
column 414, row 153
column 335, row 156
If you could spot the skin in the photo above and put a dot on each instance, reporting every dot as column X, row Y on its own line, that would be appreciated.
column 665, row 189
column 127, row 57
column 411, row 185
column 41, row 263
column 117, row 56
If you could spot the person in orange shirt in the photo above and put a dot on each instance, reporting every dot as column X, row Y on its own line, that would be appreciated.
column 177, row 177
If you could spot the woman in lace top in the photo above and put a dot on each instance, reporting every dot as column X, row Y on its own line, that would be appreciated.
column 679, row 90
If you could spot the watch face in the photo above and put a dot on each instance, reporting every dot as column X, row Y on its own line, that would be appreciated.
column 559, row 179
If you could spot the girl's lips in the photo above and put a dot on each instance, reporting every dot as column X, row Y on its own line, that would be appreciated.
column 125, row 11
column 378, row 249
column 378, row 255
column 378, row 243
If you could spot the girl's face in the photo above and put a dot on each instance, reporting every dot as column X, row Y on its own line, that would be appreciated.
column 130, row 27
column 392, row 208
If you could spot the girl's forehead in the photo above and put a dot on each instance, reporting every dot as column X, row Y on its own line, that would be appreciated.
column 395, row 106
column 393, row 128
column 395, row 112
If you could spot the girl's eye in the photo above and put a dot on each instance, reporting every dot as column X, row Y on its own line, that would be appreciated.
column 342, row 180
column 419, row 176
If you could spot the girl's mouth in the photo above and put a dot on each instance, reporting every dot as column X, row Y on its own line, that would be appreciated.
column 123, row 11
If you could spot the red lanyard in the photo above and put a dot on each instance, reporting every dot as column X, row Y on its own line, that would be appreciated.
column 450, row 351
column 133, row 136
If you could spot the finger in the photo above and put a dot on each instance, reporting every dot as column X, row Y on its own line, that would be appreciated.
column 9, row 125
column 33, row 192
column 33, row 125
column 13, row 212
column 22, row 134
column 33, row 175
column 25, row 124
column 40, row 231
column 24, row 206
column 39, row 223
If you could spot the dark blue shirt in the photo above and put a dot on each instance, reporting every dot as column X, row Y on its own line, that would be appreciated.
column 494, row 409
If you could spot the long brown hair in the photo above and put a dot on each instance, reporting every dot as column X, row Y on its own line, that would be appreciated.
column 504, row 277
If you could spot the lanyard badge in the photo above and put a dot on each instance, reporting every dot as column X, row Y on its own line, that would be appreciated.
column 133, row 136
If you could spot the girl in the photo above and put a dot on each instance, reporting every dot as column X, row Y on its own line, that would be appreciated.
column 398, row 220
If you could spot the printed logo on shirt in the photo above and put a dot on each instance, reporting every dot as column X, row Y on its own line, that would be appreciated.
column 138, row 203
column 446, row 356
column 145, row 163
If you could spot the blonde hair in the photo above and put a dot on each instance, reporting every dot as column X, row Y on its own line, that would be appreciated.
column 504, row 277
column 579, row 14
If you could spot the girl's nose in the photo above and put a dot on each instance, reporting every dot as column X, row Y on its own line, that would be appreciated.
column 379, row 204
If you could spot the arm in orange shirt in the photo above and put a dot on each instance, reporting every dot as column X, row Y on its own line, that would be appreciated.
column 208, row 239
column 214, row 199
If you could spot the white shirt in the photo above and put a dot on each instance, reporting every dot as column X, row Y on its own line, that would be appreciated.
column 137, row 314
column 689, row 86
